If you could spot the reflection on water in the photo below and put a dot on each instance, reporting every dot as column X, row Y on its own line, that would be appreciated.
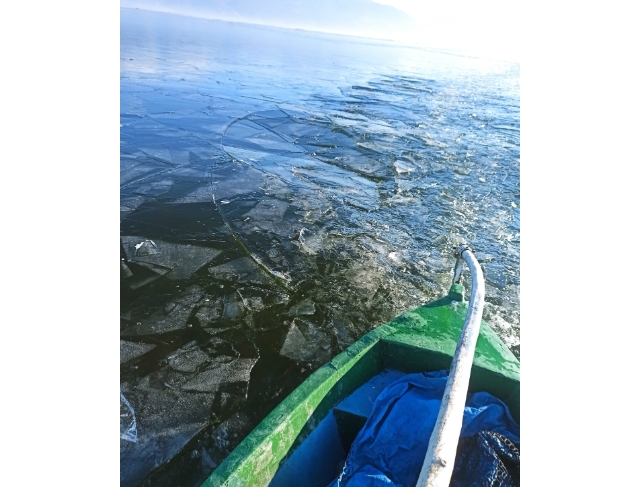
column 283, row 193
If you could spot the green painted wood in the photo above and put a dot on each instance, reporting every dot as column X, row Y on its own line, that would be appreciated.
column 423, row 339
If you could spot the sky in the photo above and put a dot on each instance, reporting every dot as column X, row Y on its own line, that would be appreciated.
column 491, row 27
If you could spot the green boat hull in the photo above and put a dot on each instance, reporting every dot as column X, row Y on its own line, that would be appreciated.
column 420, row 340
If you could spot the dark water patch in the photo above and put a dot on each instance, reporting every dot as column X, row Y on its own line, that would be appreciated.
column 187, row 222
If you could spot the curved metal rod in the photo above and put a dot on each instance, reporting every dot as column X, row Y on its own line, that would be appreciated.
column 441, row 453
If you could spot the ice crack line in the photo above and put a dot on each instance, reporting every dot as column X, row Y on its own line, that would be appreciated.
column 280, row 278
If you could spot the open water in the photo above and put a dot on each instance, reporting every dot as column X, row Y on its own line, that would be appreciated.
column 282, row 193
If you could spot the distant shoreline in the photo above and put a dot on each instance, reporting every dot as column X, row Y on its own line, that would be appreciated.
column 391, row 42
column 262, row 25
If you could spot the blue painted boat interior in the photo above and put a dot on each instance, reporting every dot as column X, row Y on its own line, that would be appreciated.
column 360, row 402
column 331, row 440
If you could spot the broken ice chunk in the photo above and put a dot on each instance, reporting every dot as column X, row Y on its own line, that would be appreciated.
column 295, row 344
column 255, row 303
column 131, row 350
column 393, row 256
column 484, row 257
column 306, row 342
column 268, row 213
column 314, row 244
column 231, row 181
column 402, row 167
column 242, row 269
column 217, row 331
column 366, row 277
column 343, row 329
column 304, row 307
column 209, row 313
column 233, row 308
column 125, row 272
column 154, row 188
column 183, row 259
column 166, row 421
column 175, row 319
column 142, row 273
column 146, row 247
column 188, row 358
column 238, row 370
column 279, row 298
column 128, row 427
column 281, row 275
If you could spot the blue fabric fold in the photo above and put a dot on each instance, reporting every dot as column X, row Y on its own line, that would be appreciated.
column 390, row 448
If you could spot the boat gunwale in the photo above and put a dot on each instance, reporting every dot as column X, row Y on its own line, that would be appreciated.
column 259, row 456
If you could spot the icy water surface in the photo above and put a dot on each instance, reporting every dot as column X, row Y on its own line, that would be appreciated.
column 283, row 193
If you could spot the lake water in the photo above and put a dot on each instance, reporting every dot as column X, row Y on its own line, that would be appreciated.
column 282, row 193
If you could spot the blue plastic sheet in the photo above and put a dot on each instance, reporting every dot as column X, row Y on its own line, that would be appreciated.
column 390, row 448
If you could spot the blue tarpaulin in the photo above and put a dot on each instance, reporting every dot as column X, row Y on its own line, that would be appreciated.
column 390, row 448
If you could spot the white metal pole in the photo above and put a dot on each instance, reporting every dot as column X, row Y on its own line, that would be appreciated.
column 441, row 453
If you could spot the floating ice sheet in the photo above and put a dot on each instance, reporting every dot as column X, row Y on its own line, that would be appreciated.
column 174, row 318
column 289, row 162
column 224, row 370
column 182, row 259
column 165, row 422
column 304, row 307
column 188, row 358
column 131, row 350
column 306, row 342
column 210, row 312
column 139, row 274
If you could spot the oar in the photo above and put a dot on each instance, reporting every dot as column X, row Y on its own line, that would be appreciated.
column 441, row 453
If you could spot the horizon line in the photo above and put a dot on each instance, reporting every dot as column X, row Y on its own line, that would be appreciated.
column 398, row 43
